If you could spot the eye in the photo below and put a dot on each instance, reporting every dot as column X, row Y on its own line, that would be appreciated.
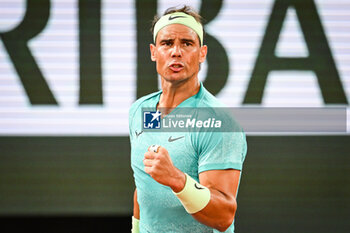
column 167, row 43
column 188, row 43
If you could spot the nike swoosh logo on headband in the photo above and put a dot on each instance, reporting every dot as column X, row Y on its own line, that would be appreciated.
column 171, row 17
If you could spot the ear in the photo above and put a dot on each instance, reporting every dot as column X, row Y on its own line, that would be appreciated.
column 203, row 53
column 153, row 50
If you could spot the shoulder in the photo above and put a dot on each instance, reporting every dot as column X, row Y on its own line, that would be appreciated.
column 210, row 106
column 141, row 102
column 209, row 100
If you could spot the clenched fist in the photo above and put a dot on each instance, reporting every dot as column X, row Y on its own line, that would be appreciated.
column 161, row 168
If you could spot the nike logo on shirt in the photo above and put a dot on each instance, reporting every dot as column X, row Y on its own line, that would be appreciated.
column 170, row 139
column 138, row 134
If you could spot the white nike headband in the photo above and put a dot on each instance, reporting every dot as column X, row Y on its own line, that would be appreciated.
column 179, row 18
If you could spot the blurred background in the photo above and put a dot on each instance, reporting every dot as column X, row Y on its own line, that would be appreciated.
column 70, row 70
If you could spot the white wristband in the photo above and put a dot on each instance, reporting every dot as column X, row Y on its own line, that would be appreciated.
column 135, row 225
column 194, row 196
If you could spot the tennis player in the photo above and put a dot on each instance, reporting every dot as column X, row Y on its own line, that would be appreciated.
column 185, row 182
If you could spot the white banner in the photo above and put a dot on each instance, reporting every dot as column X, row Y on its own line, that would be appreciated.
column 240, row 27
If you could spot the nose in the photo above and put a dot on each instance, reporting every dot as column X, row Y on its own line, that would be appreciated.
column 176, row 51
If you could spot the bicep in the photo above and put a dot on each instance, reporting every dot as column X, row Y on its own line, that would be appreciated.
column 223, row 185
column 224, row 181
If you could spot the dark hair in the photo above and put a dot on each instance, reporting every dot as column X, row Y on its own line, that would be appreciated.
column 185, row 9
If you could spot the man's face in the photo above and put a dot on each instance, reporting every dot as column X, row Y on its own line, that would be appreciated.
column 177, row 53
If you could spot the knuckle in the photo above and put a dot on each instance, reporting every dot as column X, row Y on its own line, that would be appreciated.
column 161, row 149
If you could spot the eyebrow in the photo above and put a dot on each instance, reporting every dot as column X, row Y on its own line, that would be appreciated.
column 188, row 40
column 182, row 40
column 166, row 40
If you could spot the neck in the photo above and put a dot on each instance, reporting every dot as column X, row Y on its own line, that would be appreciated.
column 175, row 93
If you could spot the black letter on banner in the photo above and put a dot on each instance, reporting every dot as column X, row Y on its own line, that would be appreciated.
column 16, row 44
column 90, row 52
column 147, row 81
column 320, row 58
column 217, row 60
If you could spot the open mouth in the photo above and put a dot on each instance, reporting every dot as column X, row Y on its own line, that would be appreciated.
column 176, row 66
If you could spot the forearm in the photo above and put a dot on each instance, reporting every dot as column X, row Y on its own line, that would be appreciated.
column 206, row 203
column 211, row 202
column 136, row 212
column 136, row 216
column 219, row 212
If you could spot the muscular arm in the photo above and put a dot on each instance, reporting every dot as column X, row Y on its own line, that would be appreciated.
column 219, row 212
